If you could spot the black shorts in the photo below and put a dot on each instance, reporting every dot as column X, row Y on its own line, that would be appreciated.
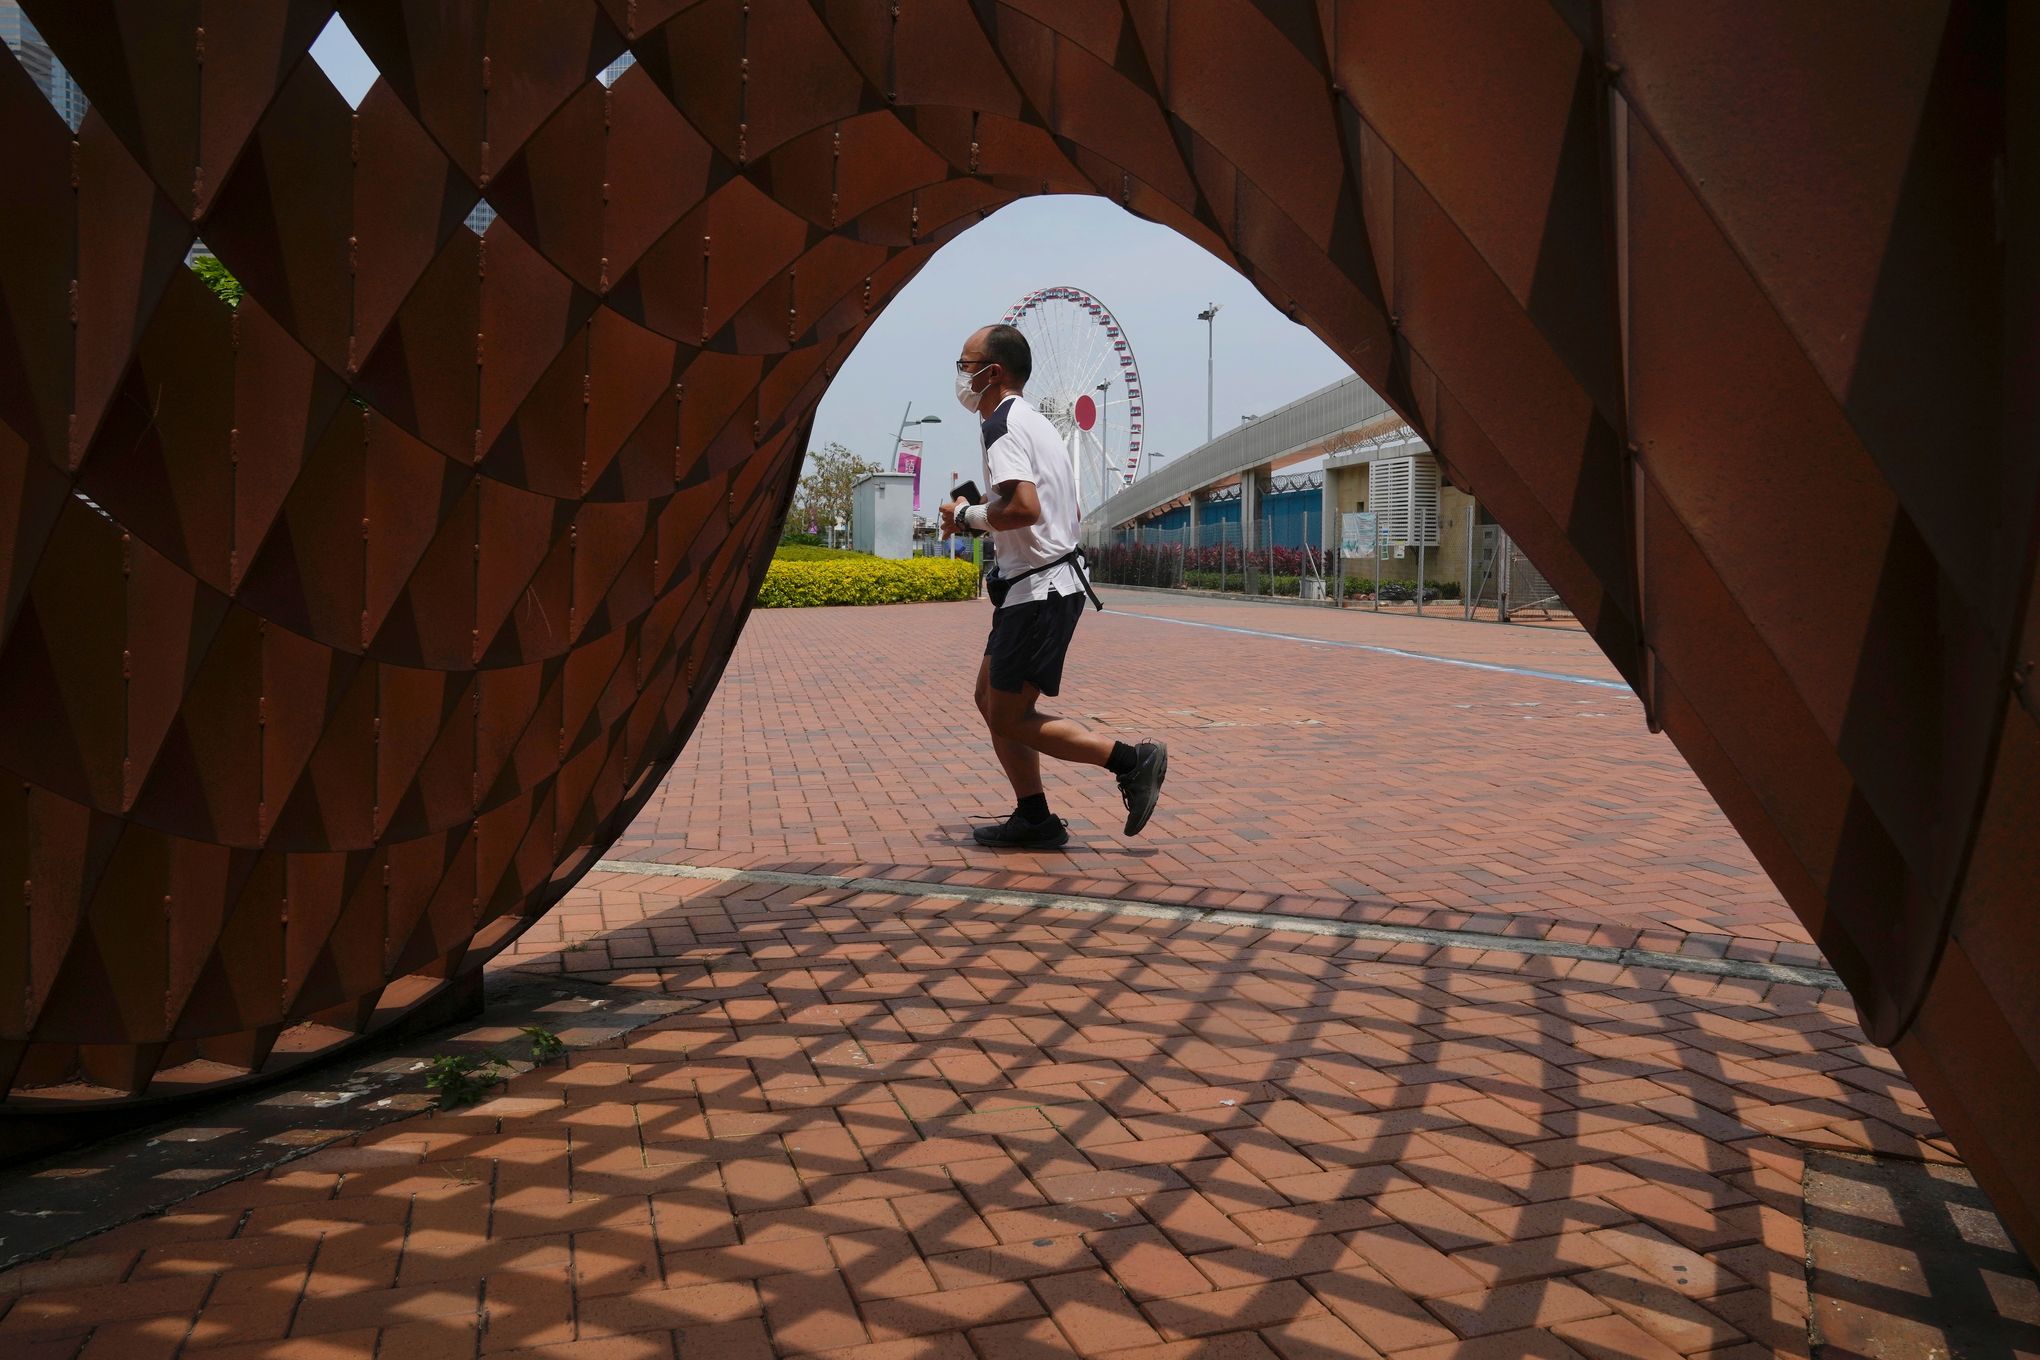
column 1029, row 641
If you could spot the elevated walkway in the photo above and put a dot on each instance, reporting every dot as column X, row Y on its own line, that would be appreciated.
column 1287, row 435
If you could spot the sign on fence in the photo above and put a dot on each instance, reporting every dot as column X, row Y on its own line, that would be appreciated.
column 1356, row 533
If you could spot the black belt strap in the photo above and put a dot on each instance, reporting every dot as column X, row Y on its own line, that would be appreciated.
column 1075, row 557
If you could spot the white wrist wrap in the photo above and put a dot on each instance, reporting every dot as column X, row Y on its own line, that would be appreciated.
column 977, row 517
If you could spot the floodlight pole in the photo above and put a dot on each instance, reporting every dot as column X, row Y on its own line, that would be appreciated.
column 1209, row 316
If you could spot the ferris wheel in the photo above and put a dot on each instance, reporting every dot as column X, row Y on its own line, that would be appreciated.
column 1088, row 385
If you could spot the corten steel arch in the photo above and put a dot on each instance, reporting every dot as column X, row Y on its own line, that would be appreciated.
column 344, row 630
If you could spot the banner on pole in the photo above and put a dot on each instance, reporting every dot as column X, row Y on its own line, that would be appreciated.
column 908, row 459
column 1356, row 533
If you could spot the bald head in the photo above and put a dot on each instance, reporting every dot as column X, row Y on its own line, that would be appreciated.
column 1005, row 346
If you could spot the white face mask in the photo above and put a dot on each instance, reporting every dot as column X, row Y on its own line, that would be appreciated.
column 965, row 394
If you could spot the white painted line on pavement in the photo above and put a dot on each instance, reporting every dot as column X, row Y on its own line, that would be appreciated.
column 1307, row 925
column 1494, row 666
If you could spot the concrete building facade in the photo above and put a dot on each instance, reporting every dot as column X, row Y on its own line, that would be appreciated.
column 1287, row 480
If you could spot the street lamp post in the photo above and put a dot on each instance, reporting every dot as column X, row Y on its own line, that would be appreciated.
column 1104, row 442
column 1209, row 316
column 899, row 434
column 904, row 422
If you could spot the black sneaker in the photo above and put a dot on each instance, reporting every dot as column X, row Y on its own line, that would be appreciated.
column 1017, row 833
column 1141, row 786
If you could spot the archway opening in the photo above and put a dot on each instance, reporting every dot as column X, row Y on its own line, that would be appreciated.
column 1719, row 368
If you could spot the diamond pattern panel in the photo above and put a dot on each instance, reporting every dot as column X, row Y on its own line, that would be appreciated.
column 340, row 629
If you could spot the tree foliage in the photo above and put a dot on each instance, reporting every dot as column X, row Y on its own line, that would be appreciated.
column 824, row 495
column 218, row 279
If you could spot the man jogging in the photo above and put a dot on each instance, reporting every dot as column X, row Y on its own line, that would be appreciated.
column 1038, row 595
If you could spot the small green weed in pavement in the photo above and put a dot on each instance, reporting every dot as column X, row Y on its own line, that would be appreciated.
column 545, row 1045
column 462, row 1079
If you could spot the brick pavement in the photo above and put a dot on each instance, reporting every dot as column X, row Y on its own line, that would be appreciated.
column 1306, row 778
column 902, row 1129
column 909, row 1127
column 1558, row 645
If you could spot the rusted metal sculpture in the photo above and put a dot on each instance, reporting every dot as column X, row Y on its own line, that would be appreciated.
column 343, row 630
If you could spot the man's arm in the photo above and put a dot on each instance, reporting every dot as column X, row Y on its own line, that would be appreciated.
column 1014, row 505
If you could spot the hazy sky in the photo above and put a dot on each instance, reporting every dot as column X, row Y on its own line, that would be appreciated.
column 1154, row 281
column 345, row 64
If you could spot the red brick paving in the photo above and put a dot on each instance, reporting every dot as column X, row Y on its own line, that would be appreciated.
column 1303, row 778
column 908, row 1128
column 1557, row 647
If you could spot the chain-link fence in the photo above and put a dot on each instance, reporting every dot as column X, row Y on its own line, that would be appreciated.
column 1507, row 582
column 1360, row 571
column 1217, row 560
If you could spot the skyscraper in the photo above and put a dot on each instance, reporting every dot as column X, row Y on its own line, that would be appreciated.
column 49, row 75
column 618, row 67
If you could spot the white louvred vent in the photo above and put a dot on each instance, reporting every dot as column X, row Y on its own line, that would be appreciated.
column 1403, row 494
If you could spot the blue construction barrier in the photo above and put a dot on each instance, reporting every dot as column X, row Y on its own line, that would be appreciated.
column 1289, row 519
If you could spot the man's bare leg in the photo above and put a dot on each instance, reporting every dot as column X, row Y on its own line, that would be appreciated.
column 1022, row 734
column 1015, row 718
column 1022, row 764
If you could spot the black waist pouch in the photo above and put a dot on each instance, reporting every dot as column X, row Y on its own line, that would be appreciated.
column 998, row 586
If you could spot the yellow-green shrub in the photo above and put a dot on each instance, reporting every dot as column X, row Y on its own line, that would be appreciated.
column 865, row 580
column 801, row 552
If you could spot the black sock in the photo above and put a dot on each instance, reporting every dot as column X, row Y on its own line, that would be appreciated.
column 1034, row 807
column 1123, row 758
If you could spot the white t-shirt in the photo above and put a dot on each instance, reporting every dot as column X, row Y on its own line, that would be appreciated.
column 1021, row 446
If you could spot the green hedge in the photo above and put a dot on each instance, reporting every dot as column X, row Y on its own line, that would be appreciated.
column 1235, row 581
column 865, row 580
column 1357, row 587
column 805, row 552
column 1402, row 591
